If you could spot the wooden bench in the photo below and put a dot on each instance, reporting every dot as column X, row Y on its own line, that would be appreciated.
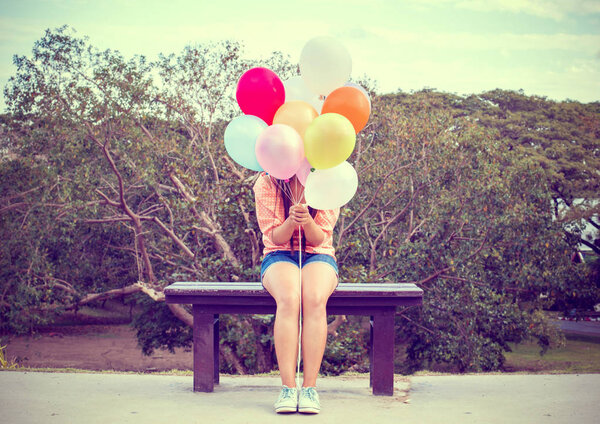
column 209, row 299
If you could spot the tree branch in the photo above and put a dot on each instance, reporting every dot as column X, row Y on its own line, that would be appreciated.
column 174, row 237
column 132, row 288
column 107, row 200
column 592, row 246
column 180, row 312
column 234, row 168
column 211, row 227
column 335, row 324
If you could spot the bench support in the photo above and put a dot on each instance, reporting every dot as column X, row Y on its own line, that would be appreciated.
column 206, row 350
column 381, row 356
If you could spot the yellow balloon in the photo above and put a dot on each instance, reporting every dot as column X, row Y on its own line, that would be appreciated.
column 329, row 140
column 297, row 114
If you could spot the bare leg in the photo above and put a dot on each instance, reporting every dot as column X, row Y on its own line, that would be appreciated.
column 318, row 282
column 282, row 281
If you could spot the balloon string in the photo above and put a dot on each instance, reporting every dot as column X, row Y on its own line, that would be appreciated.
column 300, row 313
column 285, row 188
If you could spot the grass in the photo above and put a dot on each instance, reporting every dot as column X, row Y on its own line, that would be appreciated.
column 579, row 355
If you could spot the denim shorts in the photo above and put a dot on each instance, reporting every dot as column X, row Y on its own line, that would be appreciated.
column 293, row 258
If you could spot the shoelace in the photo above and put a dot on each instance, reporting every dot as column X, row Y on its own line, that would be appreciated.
column 310, row 393
column 286, row 392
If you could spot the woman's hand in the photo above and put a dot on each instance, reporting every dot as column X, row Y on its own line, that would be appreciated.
column 300, row 215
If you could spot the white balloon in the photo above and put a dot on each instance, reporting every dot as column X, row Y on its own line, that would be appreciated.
column 331, row 188
column 325, row 65
column 296, row 89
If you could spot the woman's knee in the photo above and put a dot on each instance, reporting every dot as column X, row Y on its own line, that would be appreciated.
column 314, row 301
column 319, row 281
column 288, row 302
column 282, row 283
column 287, row 297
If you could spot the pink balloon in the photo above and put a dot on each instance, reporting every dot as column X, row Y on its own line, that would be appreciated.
column 260, row 92
column 303, row 171
column 279, row 151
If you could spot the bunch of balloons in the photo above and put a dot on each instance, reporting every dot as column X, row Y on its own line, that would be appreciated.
column 288, row 129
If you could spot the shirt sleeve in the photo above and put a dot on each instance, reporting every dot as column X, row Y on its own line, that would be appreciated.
column 326, row 220
column 267, row 205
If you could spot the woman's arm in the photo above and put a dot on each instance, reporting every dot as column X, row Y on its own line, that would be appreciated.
column 283, row 233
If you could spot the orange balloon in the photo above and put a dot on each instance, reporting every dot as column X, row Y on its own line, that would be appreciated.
column 351, row 103
column 297, row 114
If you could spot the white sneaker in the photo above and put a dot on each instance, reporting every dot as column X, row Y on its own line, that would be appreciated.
column 287, row 400
column 308, row 402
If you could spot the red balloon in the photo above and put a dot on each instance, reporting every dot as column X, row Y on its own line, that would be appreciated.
column 260, row 92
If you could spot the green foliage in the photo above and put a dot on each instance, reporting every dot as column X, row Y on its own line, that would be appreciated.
column 348, row 350
column 246, row 344
column 562, row 139
column 157, row 328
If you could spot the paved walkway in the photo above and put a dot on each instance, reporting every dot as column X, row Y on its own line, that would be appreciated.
column 32, row 397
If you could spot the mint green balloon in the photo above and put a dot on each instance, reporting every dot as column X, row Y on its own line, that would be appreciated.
column 240, row 139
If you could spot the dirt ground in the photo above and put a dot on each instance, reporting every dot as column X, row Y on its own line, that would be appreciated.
column 91, row 347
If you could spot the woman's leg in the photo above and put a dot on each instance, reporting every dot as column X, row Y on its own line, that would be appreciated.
column 282, row 281
column 318, row 282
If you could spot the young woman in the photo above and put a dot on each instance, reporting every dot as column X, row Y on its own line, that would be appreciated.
column 279, row 219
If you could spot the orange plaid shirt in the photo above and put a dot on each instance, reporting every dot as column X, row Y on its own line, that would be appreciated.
column 270, row 214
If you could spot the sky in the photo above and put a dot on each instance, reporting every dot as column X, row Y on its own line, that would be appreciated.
column 548, row 48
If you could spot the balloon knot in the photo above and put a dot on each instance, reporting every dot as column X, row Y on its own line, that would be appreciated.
column 287, row 180
column 312, row 169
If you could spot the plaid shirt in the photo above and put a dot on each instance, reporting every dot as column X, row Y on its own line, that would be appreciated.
column 270, row 214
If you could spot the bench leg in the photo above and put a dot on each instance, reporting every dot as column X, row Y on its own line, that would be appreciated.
column 371, row 353
column 382, row 353
column 204, row 350
column 216, row 348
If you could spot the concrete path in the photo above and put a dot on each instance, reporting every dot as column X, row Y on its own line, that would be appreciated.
column 32, row 397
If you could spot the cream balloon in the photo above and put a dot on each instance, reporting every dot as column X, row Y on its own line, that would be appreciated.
column 325, row 65
column 297, row 114
column 296, row 89
column 331, row 188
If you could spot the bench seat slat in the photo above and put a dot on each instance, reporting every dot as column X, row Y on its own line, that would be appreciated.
column 235, row 299
column 256, row 289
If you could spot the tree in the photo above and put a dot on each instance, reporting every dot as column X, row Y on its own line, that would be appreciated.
column 564, row 140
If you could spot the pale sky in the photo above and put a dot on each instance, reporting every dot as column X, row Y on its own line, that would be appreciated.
column 545, row 47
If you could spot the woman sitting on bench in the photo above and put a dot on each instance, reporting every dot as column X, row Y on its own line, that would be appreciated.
column 281, row 214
